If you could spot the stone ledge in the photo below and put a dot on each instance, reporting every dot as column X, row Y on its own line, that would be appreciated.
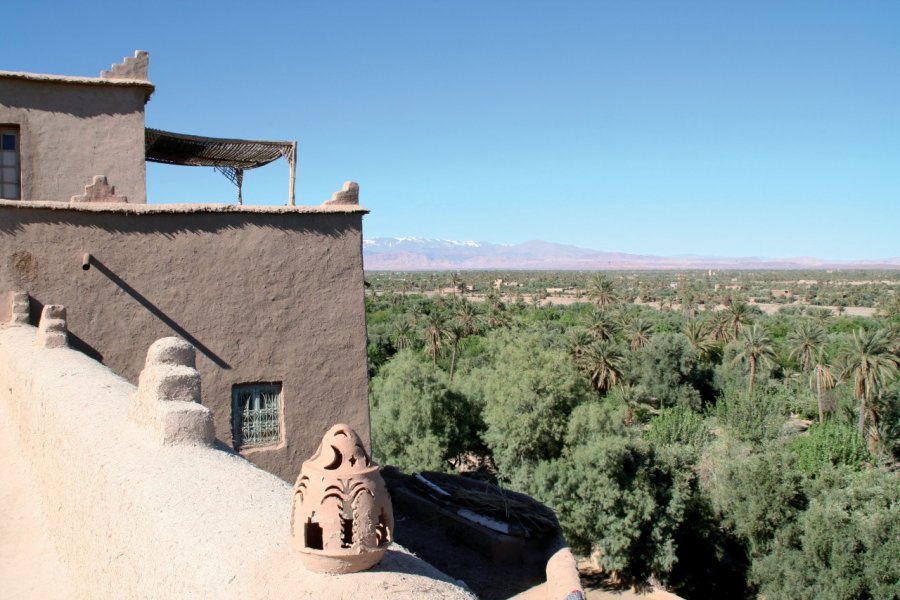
column 139, row 209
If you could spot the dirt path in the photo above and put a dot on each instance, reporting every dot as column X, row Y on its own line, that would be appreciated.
column 29, row 566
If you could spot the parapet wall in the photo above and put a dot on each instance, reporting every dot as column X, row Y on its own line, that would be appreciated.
column 265, row 294
column 133, row 518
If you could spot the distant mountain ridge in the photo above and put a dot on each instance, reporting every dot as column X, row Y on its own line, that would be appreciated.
column 423, row 254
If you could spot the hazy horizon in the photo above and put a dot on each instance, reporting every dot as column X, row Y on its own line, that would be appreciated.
column 368, row 238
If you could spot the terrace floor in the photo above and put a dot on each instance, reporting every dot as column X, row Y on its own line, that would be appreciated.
column 29, row 566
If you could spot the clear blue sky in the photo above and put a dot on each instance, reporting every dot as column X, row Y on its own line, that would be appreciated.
column 725, row 128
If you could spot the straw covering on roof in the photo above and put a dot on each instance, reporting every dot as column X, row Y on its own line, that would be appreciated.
column 230, row 157
column 182, row 149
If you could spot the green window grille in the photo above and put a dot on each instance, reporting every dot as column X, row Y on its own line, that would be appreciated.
column 256, row 415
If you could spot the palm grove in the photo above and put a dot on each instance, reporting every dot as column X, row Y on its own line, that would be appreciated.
column 720, row 450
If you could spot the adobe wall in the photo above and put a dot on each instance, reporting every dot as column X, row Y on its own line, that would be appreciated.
column 72, row 131
column 264, row 293
column 131, row 518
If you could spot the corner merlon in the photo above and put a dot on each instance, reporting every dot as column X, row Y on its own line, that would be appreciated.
column 349, row 194
column 135, row 67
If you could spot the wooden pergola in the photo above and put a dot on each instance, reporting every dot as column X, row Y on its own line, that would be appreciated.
column 228, row 156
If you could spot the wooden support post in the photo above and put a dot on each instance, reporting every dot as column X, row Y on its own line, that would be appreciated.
column 293, row 176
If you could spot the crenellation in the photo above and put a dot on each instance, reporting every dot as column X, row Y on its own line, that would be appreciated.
column 168, row 395
column 20, row 308
column 52, row 330
column 347, row 195
column 99, row 190
column 131, row 67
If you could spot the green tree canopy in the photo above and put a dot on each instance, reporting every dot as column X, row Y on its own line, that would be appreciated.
column 843, row 547
column 667, row 368
column 622, row 498
column 528, row 390
column 419, row 422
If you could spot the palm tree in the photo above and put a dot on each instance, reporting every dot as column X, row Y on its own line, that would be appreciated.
column 755, row 347
column 689, row 303
column 639, row 331
column 469, row 318
column 720, row 331
column 787, row 364
column 579, row 343
column 496, row 314
column 604, row 365
column 455, row 282
column 603, row 326
column 821, row 315
column 631, row 396
column 403, row 333
column 804, row 341
column 493, row 299
column 823, row 376
column 603, row 291
column 698, row 334
column 454, row 332
column 434, row 333
column 737, row 317
column 497, row 317
column 868, row 360
column 416, row 312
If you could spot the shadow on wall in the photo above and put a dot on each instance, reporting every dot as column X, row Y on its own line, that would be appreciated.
column 181, row 219
column 159, row 314
column 76, row 343
column 36, row 307
column 85, row 101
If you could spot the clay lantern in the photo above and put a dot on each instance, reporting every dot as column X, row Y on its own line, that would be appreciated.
column 341, row 519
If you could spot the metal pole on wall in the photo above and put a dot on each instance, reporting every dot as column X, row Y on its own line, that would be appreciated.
column 293, row 175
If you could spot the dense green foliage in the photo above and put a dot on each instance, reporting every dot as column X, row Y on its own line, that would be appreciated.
column 701, row 441
column 527, row 394
column 681, row 427
column 829, row 444
column 418, row 420
column 844, row 546
column 620, row 497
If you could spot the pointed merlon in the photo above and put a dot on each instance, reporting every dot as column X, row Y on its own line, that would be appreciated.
column 99, row 190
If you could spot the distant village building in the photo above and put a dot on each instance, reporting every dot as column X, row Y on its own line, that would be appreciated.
column 271, row 297
column 781, row 293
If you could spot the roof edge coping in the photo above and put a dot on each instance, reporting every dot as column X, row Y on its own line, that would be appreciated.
column 144, row 209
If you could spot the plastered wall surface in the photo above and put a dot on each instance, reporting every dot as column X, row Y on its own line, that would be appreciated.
column 70, row 132
column 264, row 294
column 131, row 518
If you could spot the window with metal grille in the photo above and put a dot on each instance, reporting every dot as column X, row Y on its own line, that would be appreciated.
column 10, row 184
column 256, row 415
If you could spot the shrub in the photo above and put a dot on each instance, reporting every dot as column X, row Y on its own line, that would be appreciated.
column 756, row 495
column 680, row 426
column 596, row 418
column 752, row 417
column 829, row 443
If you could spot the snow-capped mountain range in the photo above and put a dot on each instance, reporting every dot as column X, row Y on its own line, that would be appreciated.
column 422, row 254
